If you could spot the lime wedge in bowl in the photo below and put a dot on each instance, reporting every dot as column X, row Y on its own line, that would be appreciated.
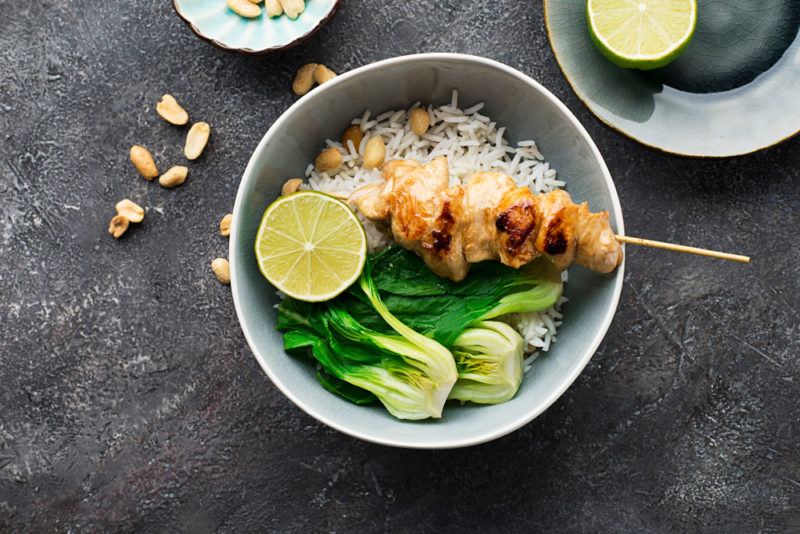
column 310, row 246
column 641, row 34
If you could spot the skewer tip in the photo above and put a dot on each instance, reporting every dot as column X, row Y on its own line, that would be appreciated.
column 682, row 248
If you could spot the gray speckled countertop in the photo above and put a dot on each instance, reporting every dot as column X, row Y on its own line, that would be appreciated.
column 129, row 400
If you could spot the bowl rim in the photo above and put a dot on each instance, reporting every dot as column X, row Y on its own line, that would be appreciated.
column 250, row 51
column 442, row 443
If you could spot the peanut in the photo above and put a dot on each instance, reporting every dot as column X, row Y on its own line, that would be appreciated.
column 225, row 225
column 323, row 74
column 328, row 160
column 352, row 133
column 304, row 79
column 293, row 8
column 130, row 210
column 222, row 270
column 174, row 177
column 243, row 8
column 273, row 8
column 374, row 153
column 291, row 186
column 118, row 225
column 196, row 140
column 420, row 121
column 143, row 161
column 171, row 111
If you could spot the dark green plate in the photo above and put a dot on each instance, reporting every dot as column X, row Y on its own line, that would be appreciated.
column 735, row 90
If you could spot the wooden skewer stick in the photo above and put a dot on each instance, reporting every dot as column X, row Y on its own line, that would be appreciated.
column 648, row 243
column 682, row 248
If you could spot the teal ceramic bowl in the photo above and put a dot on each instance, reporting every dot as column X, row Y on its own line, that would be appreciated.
column 734, row 90
column 212, row 21
column 512, row 99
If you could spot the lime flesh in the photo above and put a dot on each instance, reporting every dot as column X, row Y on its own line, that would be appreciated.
column 641, row 34
column 310, row 246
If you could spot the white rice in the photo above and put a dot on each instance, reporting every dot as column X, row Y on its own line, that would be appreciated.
column 471, row 142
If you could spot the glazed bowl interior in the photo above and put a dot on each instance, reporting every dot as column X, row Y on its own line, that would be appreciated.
column 529, row 112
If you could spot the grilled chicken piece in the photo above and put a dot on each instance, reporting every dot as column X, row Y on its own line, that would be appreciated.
column 571, row 233
column 517, row 217
column 556, row 236
column 482, row 194
column 487, row 218
column 426, row 216
column 598, row 248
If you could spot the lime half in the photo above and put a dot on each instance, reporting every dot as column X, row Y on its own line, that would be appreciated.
column 310, row 246
column 641, row 34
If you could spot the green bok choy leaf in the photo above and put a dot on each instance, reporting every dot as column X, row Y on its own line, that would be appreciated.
column 441, row 308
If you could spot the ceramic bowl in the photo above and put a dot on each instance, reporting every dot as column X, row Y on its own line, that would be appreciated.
column 512, row 99
column 733, row 91
column 213, row 21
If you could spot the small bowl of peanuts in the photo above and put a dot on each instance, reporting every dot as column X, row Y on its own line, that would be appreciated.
column 255, row 26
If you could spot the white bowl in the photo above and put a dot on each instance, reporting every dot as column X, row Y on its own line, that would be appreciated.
column 529, row 111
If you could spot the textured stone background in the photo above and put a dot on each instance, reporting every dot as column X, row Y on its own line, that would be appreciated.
column 130, row 401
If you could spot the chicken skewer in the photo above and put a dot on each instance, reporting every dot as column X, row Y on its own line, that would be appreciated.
column 487, row 218
column 490, row 217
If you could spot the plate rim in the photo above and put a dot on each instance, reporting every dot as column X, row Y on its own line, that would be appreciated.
column 263, row 51
column 618, row 130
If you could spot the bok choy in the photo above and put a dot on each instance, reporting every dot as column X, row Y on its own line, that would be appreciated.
column 489, row 363
column 402, row 334
column 409, row 373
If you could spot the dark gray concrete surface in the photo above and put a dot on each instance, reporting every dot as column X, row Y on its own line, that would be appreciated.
column 129, row 400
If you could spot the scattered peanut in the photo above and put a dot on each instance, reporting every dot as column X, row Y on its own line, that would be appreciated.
column 171, row 111
column 352, row 133
column 304, row 79
column 143, row 161
column 243, row 8
column 323, row 74
column 196, row 140
column 118, row 225
column 420, row 121
column 130, row 210
column 273, row 8
column 222, row 270
column 174, row 177
column 328, row 160
column 291, row 186
column 374, row 153
column 293, row 8
column 225, row 225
